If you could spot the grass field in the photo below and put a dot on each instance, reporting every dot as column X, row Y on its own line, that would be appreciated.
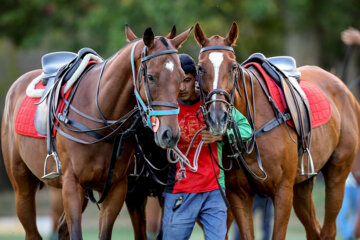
column 11, row 229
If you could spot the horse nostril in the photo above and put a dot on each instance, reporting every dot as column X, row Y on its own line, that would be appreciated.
column 166, row 136
column 224, row 118
column 212, row 118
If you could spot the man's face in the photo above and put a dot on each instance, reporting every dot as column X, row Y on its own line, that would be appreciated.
column 187, row 88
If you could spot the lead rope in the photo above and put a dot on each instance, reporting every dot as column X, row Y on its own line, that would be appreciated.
column 182, row 158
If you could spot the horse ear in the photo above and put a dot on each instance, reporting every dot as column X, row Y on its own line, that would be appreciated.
column 148, row 38
column 199, row 35
column 130, row 36
column 179, row 39
column 172, row 34
column 232, row 36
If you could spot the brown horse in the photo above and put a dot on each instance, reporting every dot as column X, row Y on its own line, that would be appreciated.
column 83, row 166
column 334, row 144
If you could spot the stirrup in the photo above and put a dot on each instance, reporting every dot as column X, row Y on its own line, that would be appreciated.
column 310, row 162
column 52, row 175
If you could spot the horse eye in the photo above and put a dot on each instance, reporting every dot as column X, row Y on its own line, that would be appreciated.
column 151, row 78
column 234, row 67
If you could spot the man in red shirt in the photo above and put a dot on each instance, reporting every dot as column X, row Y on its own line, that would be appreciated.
column 197, row 195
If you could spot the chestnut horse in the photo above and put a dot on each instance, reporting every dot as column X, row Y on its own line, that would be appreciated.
column 334, row 144
column 83, row 166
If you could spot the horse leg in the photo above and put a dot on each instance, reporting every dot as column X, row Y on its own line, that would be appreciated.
column 241, row 207
column 305, row 209
column 136, row 203
column 229, row 221
column 63, row 232
column 25, row 185
column 283, row 201
column 57, row 210
column 73, row 200
column 335, row 176
column 111, row 207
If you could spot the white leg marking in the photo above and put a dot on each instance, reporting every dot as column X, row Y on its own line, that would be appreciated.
column 170, row 66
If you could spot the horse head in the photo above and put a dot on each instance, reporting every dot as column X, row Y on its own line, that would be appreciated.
column 158, row 81
column 217, row 74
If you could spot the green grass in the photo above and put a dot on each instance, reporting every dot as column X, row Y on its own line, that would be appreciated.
column 122, row 227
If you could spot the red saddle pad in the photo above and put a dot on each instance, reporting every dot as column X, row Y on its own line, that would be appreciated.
column 25, row 118
column 319, row 104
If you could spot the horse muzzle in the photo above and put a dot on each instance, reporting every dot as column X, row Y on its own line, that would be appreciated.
column 217, row 120
column 167, row 138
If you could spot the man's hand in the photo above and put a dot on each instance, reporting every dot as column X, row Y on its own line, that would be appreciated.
column 209, row 138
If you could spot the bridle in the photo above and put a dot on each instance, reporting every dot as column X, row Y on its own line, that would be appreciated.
column 237, row 145
column 205, row 100
column 146, row 109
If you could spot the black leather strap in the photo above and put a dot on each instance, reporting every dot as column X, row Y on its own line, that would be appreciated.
column 270, row 125
column 165, row 104
column 146, row 58
column 217, row 47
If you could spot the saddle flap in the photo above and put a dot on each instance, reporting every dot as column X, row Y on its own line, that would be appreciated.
column 298, row 106
column 52, row 62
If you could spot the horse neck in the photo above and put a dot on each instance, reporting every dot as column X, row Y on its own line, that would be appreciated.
column 116, row 94
column 263, row 109
column 240, row 102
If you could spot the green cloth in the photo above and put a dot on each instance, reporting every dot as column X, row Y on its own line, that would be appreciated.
column 245, row 132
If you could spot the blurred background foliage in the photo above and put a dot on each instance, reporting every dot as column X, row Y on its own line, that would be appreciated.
column 308, row 30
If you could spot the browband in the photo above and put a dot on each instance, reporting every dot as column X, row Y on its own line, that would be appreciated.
column 144, row 59
column 216, row 47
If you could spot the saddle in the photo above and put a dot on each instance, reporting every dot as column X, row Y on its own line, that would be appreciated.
column 67, row 65
column 61, row 70
column 283, row 71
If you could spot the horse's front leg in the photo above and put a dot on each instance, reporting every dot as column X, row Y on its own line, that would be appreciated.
column 111, row 207
column 73, row 199
column 283, row 202
column 241, row 207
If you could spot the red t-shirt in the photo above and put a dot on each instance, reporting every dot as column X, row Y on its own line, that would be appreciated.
column 204, row 179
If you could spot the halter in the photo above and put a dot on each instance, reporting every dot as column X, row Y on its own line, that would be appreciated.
column 229, row 99
column 146, row 110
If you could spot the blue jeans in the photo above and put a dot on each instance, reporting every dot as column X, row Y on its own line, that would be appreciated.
column 180, row 215
column 346, row 219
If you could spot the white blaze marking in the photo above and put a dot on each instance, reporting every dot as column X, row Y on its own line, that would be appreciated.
column 216, row 59
column 170, row 66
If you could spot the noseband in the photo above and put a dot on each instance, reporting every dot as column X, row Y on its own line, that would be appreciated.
column 229, row 98
column 146, row 109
